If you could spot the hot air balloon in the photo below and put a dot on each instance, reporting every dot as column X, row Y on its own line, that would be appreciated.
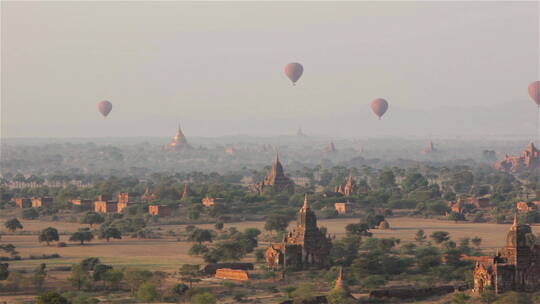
column 104, row 107
column 294, row 71
column 534, row 92
column 379, row 107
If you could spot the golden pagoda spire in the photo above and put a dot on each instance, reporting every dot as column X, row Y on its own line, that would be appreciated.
column 306, row 205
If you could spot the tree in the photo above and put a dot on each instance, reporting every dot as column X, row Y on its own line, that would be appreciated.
column 48, row 235
column 456, row 217
column 90, row 263
column 414, row 181
column 276, row 222
column 252, row 233
column 386, row 179
column 9, row 248
column 440, row 236
column 147, row 292
column 179, row 289
column 135, row 278
column 51, row 297
column 189, row 273
column 4, row 272
column 200, row 236
column 204, row 298
column 39, row 276
column 198, row 249
column 420, row 236
column 360, row 229
column 92, row 218
column 476, row 241
column 110, row 233
column 113, row 277
column 219, row 226
column 303, row 293
column 30, row 214
column 79, row 276
column 427, row 257
column 99, row 271
column 83, row 235
column 339, row 296
column 460, row 298
column 13, row 224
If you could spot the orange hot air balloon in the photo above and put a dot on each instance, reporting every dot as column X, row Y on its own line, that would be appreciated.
column 534, row 91
column 379, row 107
column 294, row 71
column 105, row 108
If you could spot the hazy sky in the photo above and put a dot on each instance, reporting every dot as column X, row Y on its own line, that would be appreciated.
column 446, row 68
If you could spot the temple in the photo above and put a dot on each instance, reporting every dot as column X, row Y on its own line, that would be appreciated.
column 299, row 133
column 349, row 188
column 277, row 181
column 528, row 160
column 429, row 149
column 517, row 268
column 331, row 148
column 304, row 247
column 179, row 142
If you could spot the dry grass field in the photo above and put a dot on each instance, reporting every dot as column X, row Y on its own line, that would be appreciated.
column 167, row 253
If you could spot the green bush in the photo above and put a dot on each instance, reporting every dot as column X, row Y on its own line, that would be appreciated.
column 147, row 292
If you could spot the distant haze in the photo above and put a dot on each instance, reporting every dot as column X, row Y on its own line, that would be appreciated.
column 447, row 69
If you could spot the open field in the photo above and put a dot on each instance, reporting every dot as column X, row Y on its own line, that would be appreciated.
column 168, row 254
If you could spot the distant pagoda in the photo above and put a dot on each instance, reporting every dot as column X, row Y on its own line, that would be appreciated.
column 300, row 133
column 331, row 148
column 179, row 142
column 276, row 180
column 429, row 149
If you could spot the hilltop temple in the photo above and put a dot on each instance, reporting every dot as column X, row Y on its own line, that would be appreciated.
column 516, row 268
column 178, row 143
column 304, row 247
column 528, row 160
column 276, row 180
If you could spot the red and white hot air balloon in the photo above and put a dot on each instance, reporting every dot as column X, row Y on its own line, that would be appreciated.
column 534, row 91
column 294, row 71
column 104, row 108
column 379, row 107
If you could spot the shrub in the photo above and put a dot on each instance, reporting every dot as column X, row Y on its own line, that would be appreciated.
column 204, row 298
column 147, row 292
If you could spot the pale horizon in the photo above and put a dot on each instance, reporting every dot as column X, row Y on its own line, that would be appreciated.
column 447, row 69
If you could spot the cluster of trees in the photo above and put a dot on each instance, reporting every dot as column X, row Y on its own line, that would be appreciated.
column 231, row 245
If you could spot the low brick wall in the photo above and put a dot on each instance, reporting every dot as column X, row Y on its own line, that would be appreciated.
column 232, row 274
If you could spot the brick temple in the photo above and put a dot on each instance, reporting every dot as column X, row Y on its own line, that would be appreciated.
column 304, row 247
column 528, row 160
column 349, row 188
column 277, row 181
column 516, row 268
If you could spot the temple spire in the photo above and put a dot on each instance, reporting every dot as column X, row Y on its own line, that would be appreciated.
column 340, row 283
column 516, row 222
column 306, row 205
